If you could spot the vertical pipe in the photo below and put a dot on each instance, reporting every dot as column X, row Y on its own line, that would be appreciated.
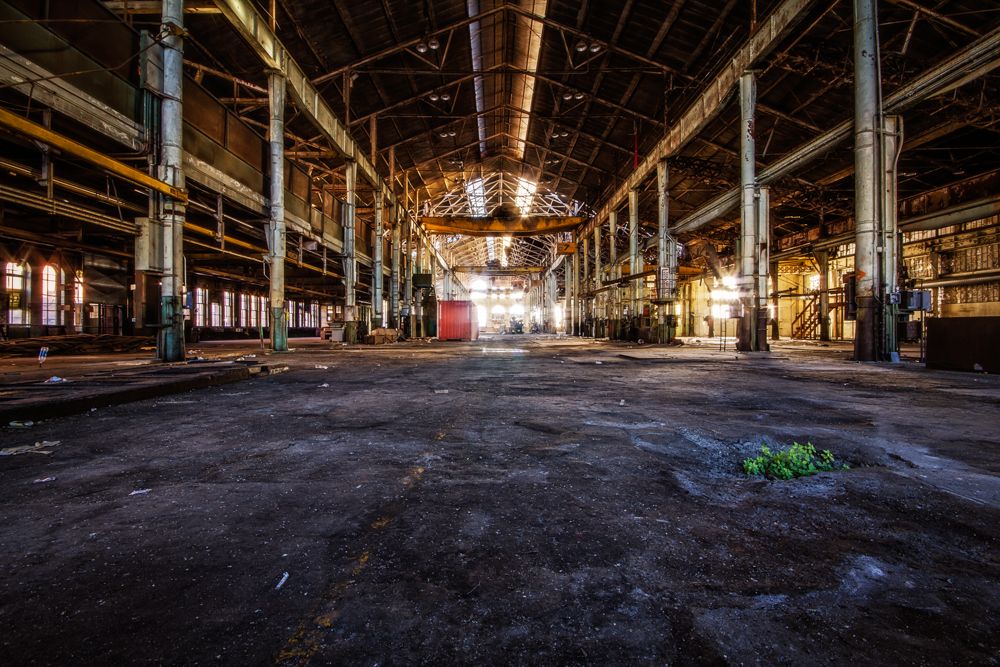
column 276, row 210
column 866, row 109
column 598, row 277
column 377, row 261
column 170, row 342
column 666, row 256
column 635, row 265
column 890, row 241
column 747, row 336
column 350, row 256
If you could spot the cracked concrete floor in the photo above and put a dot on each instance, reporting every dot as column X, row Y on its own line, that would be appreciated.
column 525, row 500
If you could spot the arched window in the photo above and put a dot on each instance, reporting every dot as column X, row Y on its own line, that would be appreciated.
column 15, row 282
column 51, row 315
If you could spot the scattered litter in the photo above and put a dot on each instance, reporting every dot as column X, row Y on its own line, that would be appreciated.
column 440, row 391
column 324, row 385
column 55, row 379
column 622, row 402
column 284, row 578
column 43, row 354
column 43, row 480
column 37, row 448
column 599, row 362
column 17, row 424
column 322, row 368
column 140, row 492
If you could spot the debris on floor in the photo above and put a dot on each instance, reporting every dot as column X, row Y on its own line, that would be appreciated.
column 40, row 447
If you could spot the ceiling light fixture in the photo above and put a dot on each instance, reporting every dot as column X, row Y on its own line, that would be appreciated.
column 595, row 47
column 445, row 97
column 433, row 97
column 422, row 47
column 581, row 46
column 578, row 96
column 434, row 44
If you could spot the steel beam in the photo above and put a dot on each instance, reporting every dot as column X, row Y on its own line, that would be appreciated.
column 526, row 226
column 769, row 34
column 974, row 61
column 253, row 27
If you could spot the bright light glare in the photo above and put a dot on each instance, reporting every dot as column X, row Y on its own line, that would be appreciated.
column 725, row 295
column 479, row 285
column 478, row 296
column 525, row 195
column 481, row 312
column 729, row 281
column 499, row 310
column 517, row 309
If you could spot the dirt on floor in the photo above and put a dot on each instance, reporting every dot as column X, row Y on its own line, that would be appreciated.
column 521, row 500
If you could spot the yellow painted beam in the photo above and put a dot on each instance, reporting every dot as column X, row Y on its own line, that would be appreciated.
column 32, row 130
column 524, row 226
column 501, row 271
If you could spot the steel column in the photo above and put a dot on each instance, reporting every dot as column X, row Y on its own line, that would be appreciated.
column 614, row 314
column 866, row 191
column 170, row 342
column 378, row 316
column 633, row 252
column 666, row 257
column 276, row 210
column 823, row 261
column 598, row 278
column 350, row 260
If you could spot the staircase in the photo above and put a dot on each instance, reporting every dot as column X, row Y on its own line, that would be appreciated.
column 806, row 323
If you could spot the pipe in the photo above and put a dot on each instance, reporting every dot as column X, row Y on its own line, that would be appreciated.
column 276, row 210
column 972, row 278
column 42, row 134
column 170, row 341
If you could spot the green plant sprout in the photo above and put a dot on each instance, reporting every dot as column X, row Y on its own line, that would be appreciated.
column 797, row 461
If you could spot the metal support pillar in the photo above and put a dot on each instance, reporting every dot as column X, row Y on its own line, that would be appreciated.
column 748, row 208
column 635, row 264
column 598, row 279
column 866, row 191
column 823, row 261
column 170, row 342
column 350, row 256
column 775, row 321
column 276, row 210
column 585, row 291
column 378, row 314
column 394, row 270
column 666, row 257
column 614, row 296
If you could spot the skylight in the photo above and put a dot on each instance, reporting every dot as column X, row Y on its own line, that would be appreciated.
column 525, row 195
column 477, row 197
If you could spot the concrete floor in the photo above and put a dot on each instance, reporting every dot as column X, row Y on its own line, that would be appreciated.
column 527, row 500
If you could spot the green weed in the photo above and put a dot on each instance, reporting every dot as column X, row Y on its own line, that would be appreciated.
column 796, row 461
